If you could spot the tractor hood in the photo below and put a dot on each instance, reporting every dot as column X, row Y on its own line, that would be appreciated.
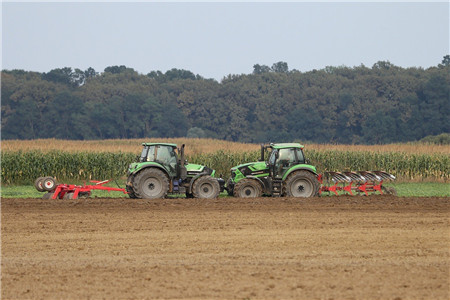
column 254, row 166
column 194, row 169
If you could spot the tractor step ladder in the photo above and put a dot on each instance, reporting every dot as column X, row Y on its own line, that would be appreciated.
column 276, row 187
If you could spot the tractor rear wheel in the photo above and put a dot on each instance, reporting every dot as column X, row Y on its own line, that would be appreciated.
column 130, row 191
column 38, row 184
column 151, row 183
column 302, row 184
column 247, row 188
column 206, row 187
column 130, row 188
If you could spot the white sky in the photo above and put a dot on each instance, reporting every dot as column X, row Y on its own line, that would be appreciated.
column 218, row 39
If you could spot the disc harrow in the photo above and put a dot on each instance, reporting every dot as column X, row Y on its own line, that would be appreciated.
column 361, row 182
column 70, row 191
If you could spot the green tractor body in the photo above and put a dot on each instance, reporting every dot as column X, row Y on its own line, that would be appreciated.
column 162, row 168
column 284, row 173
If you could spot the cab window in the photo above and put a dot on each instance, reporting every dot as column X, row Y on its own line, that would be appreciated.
column 148, row 153
column 273, row 157
column 301, row 158
column 287, row 155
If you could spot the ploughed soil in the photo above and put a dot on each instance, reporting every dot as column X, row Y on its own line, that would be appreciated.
column 378, row 247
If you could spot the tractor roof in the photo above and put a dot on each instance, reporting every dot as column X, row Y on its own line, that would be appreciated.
column 159, row 144
column 286, row 145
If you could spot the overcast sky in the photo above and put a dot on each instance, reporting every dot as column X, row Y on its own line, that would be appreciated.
column 218, row 39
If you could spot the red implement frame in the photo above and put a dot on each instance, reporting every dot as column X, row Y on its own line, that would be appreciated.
column 350, row 182
column 62, row 189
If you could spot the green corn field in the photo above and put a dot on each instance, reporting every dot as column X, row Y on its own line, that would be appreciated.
column 23, row 167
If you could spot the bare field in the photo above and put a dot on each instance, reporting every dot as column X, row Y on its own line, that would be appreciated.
column 378, row 247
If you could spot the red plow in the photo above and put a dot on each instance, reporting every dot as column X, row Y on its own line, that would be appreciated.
column 70, row 191
column 362, row 182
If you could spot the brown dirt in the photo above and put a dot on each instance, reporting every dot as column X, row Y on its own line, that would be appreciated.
column 378, row 247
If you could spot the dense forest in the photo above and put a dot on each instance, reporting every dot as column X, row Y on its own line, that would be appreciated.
column 352, row 105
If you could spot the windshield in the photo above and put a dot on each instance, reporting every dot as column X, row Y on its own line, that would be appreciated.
column 148, row 153
column 273, row 157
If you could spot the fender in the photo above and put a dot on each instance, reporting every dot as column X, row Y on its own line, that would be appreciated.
column 149, row 164
column 300, row 167
column 259, row 180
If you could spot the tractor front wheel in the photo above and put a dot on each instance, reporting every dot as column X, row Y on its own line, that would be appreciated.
column 247, row 188
column 302, row 184
column 151, row 184
column 206, row 187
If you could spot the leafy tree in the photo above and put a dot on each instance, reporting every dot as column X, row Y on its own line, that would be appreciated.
column 260, row 69
column 445, row 61
column 196, row 132
column 118, row 69
column 280, row 67
column 381, row 104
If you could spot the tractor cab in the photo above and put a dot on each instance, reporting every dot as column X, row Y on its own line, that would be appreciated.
column 283, row 157
column 163, row 154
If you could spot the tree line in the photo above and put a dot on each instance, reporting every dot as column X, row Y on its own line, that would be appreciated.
column 366, row 105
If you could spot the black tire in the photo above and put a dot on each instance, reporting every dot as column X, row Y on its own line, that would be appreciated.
column 247, row 188
column 49, row 184
column 206, row 187
column 38, row 184
column 70, row 196
column 150, row 183
column 47, row 196
column 301, row 184
column 129, row 187
column 131, row 192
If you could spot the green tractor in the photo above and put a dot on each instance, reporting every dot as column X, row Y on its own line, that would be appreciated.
column 161, row 170
column 285, row 173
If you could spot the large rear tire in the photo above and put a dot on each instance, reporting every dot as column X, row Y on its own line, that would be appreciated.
column 130, row 189
column 206, row 187
column 247, row 188
column 302, row 184
column 151, row 183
